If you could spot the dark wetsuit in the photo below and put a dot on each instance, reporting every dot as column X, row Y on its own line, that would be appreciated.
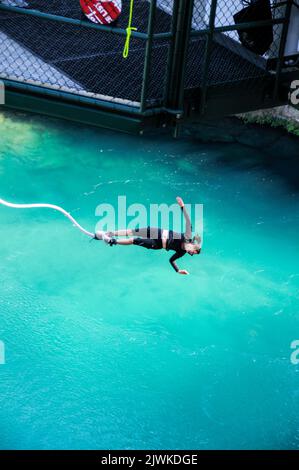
column 151, row 238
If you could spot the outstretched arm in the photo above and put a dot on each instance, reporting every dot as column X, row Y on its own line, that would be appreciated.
column 188, row 230
column 174, row 265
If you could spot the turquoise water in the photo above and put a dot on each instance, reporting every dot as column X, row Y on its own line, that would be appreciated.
column 110, row 348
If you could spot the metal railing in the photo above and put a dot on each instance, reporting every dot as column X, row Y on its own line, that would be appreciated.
column 180, row 46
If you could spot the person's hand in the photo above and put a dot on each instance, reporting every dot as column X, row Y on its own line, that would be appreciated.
column 180, row 201
column 183, row 271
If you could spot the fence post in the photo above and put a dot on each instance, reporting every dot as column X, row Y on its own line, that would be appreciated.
column 282, row 45
column 207, row 56
column 148, row 54
column 179, row 54
column 170, row 56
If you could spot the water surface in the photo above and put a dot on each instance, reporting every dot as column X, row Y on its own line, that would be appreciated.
column 110, row 348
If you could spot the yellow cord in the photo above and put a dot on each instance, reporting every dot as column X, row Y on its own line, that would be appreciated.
column 129, row 30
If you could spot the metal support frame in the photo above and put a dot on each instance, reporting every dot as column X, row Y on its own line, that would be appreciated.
column 174, row 95
column 148, row 54
column 283, row 40
column 172, row 38
column 207, row 58
column 174, row 99
column 72, row 21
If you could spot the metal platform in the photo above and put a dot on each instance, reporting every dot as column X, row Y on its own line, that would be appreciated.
column 176, row 67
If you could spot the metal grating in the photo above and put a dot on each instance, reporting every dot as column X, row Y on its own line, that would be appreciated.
column 85, row 61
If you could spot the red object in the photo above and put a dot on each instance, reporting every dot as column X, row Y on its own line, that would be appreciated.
column 101, row 11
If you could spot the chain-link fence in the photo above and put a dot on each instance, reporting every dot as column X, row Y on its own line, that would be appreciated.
column 235, row 40
column 73, row 57
column 50, row 44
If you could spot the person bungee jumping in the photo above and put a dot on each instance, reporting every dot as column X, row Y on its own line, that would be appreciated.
column 157, row 239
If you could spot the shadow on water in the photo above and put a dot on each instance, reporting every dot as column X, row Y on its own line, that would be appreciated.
column 238, row 146
column 252, row 146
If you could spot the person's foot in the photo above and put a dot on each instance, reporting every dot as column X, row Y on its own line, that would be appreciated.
column 108, row 239
column 98, row 235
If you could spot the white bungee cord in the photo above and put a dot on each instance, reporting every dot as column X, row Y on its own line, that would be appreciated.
column 48, row 206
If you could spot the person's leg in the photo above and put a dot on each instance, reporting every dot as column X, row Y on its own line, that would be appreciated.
column 148, row 232
column 125, row 241
column 99, row 235
column 121, row 233
column 117, row 233
column 138, row 232
column 143, row 234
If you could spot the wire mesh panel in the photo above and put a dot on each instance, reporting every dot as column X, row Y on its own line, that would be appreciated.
column 69, row 9
column 231, row 47
column 163, row 16
column 72, row 9
column 233, row 12
column 201, row 13
column 160, row 52
column 81, row 60
column 65, row 52
column 226, row 65
column 72, row 58
column 158, row 72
